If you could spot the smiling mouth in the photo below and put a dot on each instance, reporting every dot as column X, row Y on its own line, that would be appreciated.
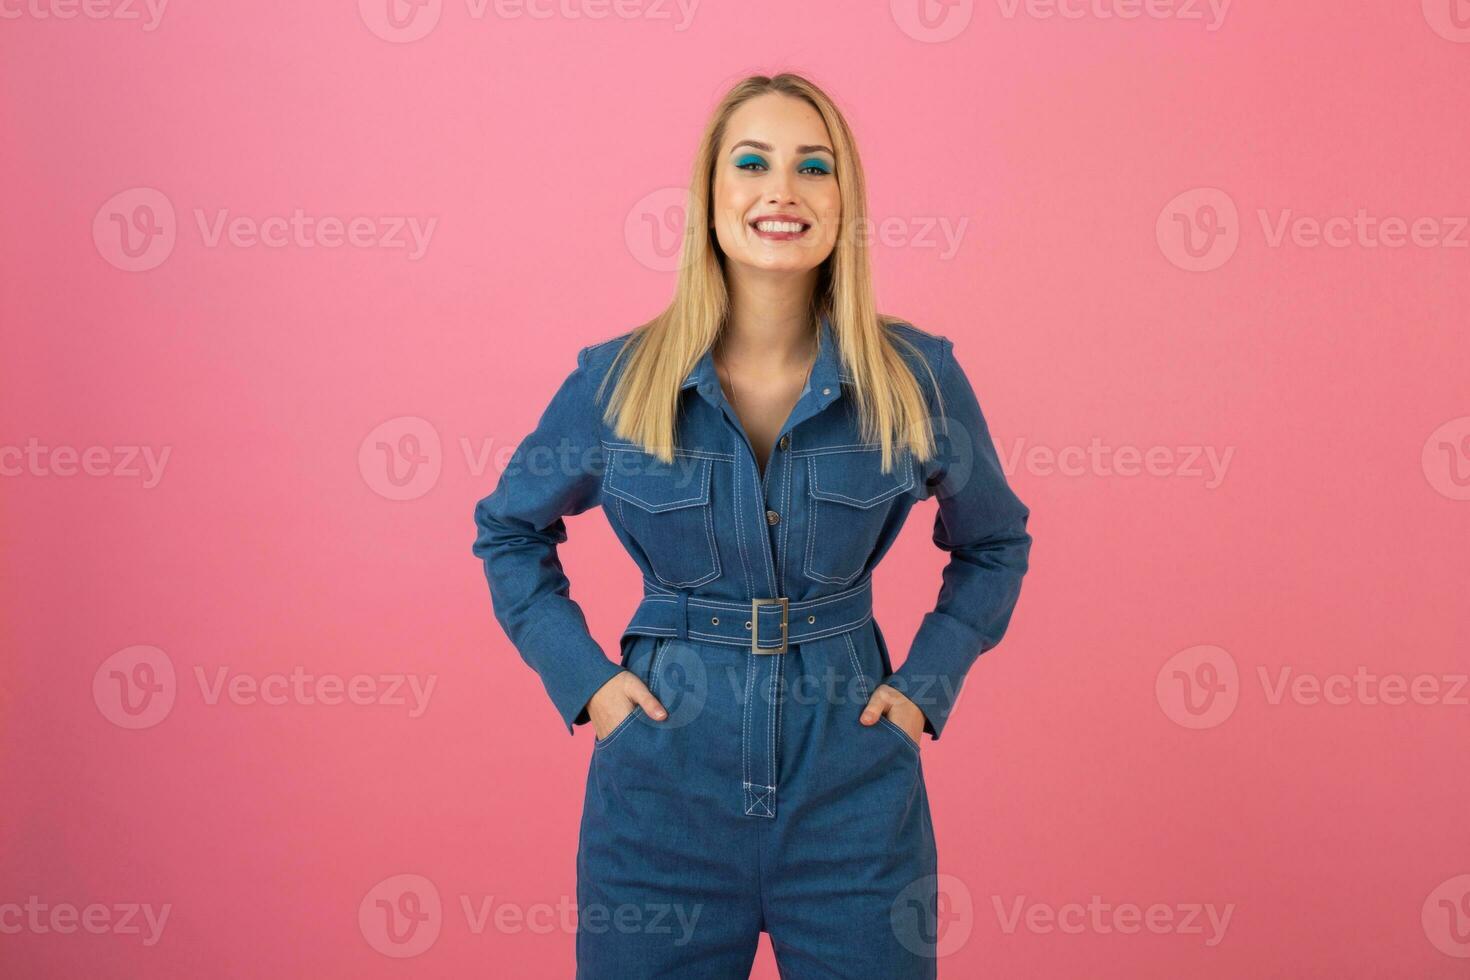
column 780, row 231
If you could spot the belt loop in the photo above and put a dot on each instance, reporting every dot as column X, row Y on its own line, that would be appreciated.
column 681, row 616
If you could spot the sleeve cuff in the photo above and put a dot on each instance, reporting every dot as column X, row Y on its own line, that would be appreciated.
column 941, row 655
column 578, row 671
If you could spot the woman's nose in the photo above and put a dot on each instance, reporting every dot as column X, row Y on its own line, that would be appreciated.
column 780, row 189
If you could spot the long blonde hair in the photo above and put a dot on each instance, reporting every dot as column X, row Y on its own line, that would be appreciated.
column 891, row 407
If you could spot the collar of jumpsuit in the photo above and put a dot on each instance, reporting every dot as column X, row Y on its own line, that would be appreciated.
column 825, row 378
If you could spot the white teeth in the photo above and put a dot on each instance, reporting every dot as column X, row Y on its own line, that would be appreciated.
column 779, row 226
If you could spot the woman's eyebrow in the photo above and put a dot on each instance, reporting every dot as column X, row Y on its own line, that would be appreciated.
column 818, row 148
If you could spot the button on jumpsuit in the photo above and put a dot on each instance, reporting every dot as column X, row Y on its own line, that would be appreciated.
column 760, row 803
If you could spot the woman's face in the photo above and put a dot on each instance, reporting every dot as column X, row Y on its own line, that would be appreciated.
column 776, row 162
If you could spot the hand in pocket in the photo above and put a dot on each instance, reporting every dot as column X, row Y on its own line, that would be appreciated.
column 900, row 711
column 615, row 701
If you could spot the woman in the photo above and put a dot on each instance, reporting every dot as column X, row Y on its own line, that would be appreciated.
column 756, row 449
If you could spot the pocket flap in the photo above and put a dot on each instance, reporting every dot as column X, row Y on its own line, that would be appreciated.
column 646, row 481
column 854, row 477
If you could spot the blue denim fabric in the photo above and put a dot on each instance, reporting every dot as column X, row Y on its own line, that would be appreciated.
column 703, row 526
column 760, row 803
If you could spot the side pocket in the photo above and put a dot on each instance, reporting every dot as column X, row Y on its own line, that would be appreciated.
column 651, row 679
column 621, row 727
column 644, row 665
column 868, row 681
column 897, row 730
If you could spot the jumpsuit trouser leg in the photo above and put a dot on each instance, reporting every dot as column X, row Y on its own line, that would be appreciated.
column 760, row 803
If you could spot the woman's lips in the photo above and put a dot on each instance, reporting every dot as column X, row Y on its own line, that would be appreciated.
column 784, row 235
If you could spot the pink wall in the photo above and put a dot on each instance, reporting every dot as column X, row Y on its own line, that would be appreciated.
column 1234, row 684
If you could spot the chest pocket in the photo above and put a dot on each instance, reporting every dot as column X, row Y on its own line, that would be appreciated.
column 666, row 510
column 850, row 503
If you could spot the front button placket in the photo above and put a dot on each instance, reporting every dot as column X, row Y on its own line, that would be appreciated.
column 748, row 473
column 761, row 520
column 761, row 696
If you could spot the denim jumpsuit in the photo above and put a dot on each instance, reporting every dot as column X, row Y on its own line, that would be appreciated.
column 760, row 802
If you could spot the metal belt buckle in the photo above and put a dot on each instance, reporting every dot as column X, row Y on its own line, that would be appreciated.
column 755, row 623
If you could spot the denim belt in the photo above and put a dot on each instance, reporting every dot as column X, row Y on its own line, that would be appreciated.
column 765, row 625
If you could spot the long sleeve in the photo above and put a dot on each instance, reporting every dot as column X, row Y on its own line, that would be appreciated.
column 555, row 472
column 982, row 525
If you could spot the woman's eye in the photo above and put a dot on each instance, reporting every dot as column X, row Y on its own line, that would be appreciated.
column 815, row 168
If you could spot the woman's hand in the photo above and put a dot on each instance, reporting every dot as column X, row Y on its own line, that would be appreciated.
column 616, row 700
column 900, row 710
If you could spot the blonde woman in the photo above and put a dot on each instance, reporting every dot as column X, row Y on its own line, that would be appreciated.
column 756, row 448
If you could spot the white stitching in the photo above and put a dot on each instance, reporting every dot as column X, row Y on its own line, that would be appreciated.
column 803, row 637
column 847, row 448
column 903, row 465
column 658, row 651
column 785, row 537
column 698, row 453
column 867, row 695
column 815, row 509
column 701, row 494
column 897, row 730
column 775, row 711
column 856, row 669
column 745, row 725
column 618, row 729
column 699, row 499
column 758, row 799
column 803, row 605
column 770, row 563
column 714, row 546
column 829, row 631
column 745, row 643
column 740, row 529
column 765, row 539
column 780, row 717
column 811, row 534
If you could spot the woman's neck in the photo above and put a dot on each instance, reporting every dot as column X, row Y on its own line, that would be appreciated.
column 769, row 326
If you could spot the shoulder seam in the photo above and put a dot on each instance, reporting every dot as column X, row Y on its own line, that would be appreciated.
column 931, row 335
column 602, row 343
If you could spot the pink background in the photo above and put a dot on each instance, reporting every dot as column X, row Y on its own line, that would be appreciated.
column 1084, row 760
